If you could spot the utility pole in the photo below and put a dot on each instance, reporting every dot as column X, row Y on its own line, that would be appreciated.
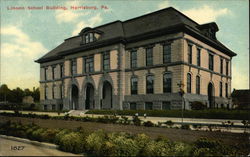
column 181, row 92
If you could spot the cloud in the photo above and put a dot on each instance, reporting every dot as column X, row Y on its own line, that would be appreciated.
column 91, row 22
column 240, row 80
column 20, row 44
column 163, row 5
column 205, row 14
column 65, row 16
column 19, row 51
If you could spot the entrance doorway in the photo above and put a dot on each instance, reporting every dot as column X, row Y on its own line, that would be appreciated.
column 210, row 94
column 74, row 96
column 107, row 96
column 89, row 102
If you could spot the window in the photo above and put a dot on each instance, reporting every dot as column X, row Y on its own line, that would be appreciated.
column 133, row 57
column 53, row 72
column 73, row 67
column 53, row 91
column 53, row 107
column 227, row 72
column 198, row 57
column 89, row 64
column 46, row 94
column 46, row 73
column 91, row 37
column 167, row 53
column 221, row 66
column 61, row 71
column 189, row 83
column 61, row 91
column 45, row 107
column 86, row 38
column 150, row 84
column 134, row 85
column 132, row 106
column 226, row 90
column 220, row 89
column 106, row 60
column 167, row 83
column 211, row 62
column 190, row 54
column 149, row 56
column 198, row 80
column 166, row 105
column 148, row 106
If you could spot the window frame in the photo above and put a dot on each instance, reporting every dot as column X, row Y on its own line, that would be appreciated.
column 149, row 56
column 132, row 91
column 221, row 66
column 133, row 59
column 198, row 84
column 167, row 82
column 221, row 89
column 149, row 90
column 167, row 53
column 190, row 53
column 198, row 57
column 226, row 90
column 89, row 64
column 106, row 61
column 73, row 65
column 211, row 62
column 189, row 83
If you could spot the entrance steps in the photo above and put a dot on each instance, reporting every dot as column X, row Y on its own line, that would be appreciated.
column 77, row 112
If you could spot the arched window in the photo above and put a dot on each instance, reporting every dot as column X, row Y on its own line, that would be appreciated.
column 167, row 82
column 134, row 85
column 150, row 84
column 189, row 83
column 198, row 86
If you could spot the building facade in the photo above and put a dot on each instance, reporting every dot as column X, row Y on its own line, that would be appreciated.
column 141, row 63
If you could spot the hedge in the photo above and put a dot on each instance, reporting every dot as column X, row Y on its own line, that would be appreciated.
column 100, row 143
column 209, row 113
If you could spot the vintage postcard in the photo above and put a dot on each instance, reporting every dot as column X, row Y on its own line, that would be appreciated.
column 124, row 78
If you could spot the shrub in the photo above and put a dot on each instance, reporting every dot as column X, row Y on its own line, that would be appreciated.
column 169, row 123
column 49, row 135
column 60, row 134
column 142, row 140
column 95, row 142
column 120, row 145
column 72, row 142
column 157, row 148
column 197, row 105
column 185, row 126
column 207, row 147
column 136, row 120
column 148, row 124
column 37, row 134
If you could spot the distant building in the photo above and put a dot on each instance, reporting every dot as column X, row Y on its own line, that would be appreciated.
column 241, row 98
column 28, row 100
column 138, row 64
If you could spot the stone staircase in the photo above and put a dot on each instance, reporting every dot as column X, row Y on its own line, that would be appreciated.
column 77, row 112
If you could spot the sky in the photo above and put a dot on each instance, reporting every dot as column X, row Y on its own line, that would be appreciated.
column 26, row 35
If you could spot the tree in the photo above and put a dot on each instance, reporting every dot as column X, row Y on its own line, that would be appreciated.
column 36, row 94
column 5, row 93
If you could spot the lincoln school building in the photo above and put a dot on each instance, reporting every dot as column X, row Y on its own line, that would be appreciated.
column 140, row 63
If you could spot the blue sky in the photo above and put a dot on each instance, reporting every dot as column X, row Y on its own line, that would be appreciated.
column 27, row 35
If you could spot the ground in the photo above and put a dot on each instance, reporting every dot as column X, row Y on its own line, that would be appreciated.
column 188, row 136
column 7, row 148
